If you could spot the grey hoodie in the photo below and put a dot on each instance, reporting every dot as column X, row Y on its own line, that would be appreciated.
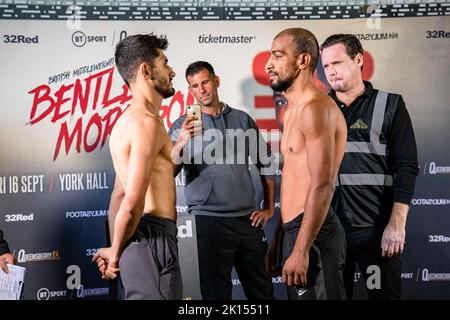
column 222, row 187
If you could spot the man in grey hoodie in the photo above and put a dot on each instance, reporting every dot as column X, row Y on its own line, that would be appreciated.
column 220, row 192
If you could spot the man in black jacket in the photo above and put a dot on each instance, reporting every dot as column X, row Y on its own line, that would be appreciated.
column 5, row 254
column 377, row 176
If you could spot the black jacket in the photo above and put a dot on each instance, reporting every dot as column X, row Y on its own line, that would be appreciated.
column 380, row 161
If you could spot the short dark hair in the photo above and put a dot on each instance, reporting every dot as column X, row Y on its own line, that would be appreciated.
column 197, row 66
column 136, row 49
column 351, row 43
column 304, row 41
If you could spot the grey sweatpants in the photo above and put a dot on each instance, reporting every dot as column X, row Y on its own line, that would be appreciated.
column 149, row 265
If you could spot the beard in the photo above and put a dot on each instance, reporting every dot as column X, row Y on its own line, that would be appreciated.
column 162, row 86
column 283, row 84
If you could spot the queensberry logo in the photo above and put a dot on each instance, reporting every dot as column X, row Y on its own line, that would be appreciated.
column 236, row 39
column 436, row 169
column 41, row 256
column 87, row 292
column 19, row 38
column 432, row 276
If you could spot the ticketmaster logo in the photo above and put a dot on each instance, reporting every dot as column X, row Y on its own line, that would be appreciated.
column 236, row 39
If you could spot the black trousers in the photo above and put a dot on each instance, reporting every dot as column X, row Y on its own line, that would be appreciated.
column 149, row 265
column 326, row 260
column 224, row 242
column 364, row 249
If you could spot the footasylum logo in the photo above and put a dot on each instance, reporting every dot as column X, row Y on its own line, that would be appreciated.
column 86, row 214
column 430, row 202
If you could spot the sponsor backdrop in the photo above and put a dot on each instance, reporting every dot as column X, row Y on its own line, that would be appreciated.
column 61, row 96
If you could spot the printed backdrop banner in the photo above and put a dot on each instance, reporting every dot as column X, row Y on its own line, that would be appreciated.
column 60, row 97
